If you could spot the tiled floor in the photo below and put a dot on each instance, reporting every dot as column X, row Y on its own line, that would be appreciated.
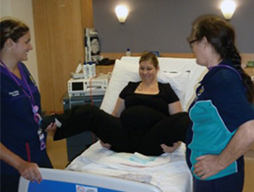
column 58, row 154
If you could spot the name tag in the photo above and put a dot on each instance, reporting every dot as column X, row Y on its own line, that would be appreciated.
column 14, row 93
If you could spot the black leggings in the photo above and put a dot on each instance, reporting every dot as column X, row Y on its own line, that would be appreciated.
column 139, row 129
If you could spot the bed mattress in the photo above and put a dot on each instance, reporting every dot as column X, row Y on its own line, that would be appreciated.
column 168, row 172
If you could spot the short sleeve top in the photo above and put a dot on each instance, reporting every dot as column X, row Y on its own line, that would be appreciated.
column 18, row 127
column 220, row 108
column 158, row 101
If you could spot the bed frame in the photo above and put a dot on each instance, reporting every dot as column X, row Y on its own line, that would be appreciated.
column 68, row 181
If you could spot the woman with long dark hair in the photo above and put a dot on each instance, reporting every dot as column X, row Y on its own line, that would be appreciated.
column 222, row 115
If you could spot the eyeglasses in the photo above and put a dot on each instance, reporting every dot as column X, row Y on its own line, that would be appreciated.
column 191, row 42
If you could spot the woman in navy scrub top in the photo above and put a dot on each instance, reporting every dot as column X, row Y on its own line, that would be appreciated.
column 222, row 114
column 22, row 145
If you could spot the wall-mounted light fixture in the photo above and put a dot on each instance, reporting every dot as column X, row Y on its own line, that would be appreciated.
column 228, row 8
column 121, row 13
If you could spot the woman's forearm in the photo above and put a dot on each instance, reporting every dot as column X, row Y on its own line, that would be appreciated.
column 239, row 144
column 9, row 157
column 26, row 169
column 175, row 107
column 118, row 108
column 208, row 165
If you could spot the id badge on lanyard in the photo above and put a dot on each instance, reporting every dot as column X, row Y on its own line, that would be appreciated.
column 42, row 139
column 38, row 119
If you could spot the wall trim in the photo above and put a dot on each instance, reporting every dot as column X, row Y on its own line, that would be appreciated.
column 245, row 56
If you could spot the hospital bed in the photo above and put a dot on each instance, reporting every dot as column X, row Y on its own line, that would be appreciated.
column 99, row 169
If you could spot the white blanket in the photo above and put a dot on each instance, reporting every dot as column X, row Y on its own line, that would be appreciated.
column 169, row 172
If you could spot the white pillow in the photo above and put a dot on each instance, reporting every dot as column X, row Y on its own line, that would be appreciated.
column 178, row 82
column 168, row 64
column 124, row 72
column 196, row 75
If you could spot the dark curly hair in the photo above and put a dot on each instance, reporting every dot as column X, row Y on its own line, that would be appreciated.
column 221, row 35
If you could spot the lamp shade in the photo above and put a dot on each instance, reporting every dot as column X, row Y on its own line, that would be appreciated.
column 121, row 13
column 228, row 9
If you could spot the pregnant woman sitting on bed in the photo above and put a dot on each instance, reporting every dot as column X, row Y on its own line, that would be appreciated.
column 147, row 117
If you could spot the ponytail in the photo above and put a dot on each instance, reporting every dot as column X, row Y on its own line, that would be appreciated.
column 234, row 56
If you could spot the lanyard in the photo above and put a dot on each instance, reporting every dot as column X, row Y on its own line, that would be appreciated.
column 29, row 95
column 226, row 66
column 201, row 90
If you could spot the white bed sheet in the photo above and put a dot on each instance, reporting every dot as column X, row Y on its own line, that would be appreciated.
column 168, row 172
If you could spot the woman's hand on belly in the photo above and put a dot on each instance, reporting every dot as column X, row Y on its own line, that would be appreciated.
column 105, row 145
column 168, row 149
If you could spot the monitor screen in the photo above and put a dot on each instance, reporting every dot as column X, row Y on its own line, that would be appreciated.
column 77, row 86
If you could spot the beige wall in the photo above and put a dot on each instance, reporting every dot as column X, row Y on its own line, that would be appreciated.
column 22, row 10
